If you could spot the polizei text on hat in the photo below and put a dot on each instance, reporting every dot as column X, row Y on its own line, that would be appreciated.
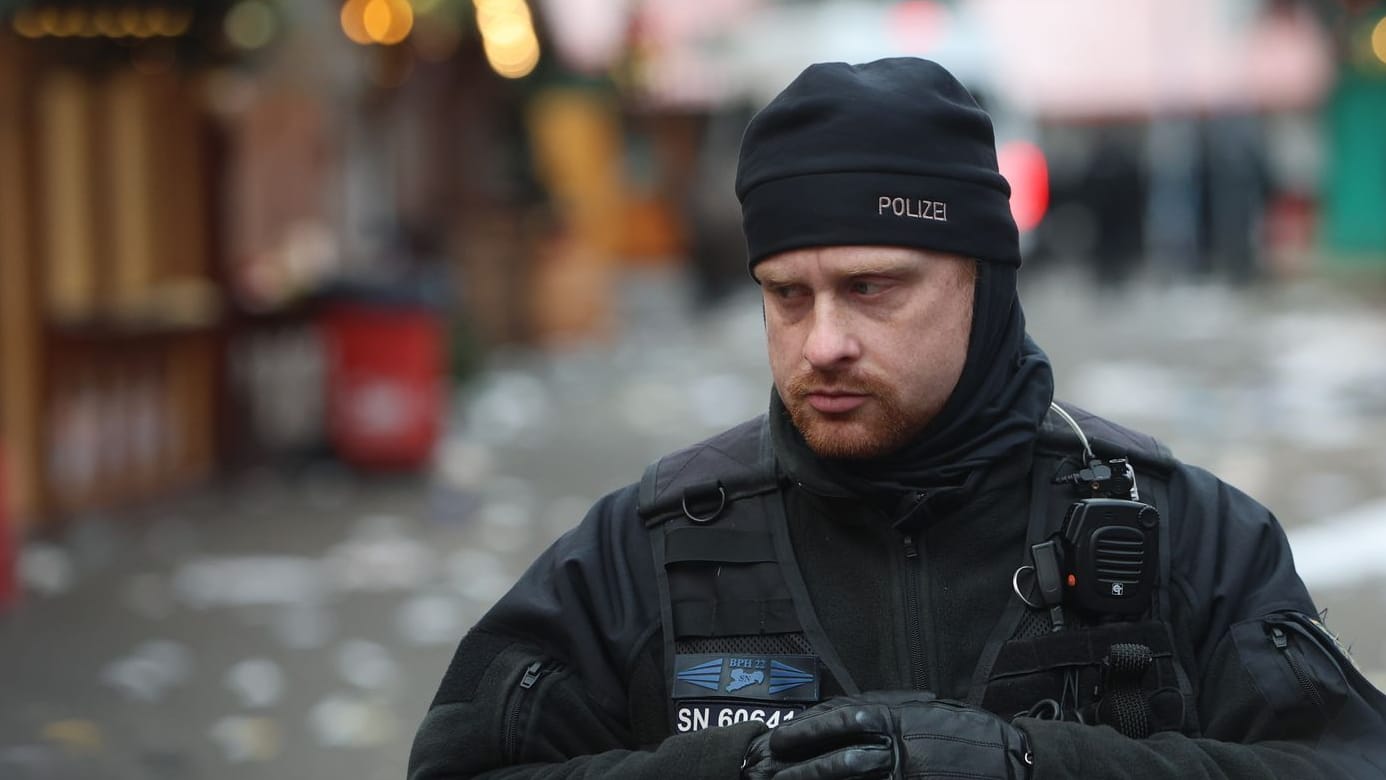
column 915, row 208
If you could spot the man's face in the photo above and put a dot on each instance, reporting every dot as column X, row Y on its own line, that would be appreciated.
column 866, row 343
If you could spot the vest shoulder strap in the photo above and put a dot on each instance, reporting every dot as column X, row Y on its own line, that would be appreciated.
column 1108, row 439
column 735, row 464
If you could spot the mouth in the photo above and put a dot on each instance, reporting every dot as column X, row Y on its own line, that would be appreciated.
column 834, row 401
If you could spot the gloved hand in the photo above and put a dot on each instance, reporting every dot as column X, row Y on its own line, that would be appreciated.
column 894, row 734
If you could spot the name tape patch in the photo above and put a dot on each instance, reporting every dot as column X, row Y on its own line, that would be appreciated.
column 699, row 715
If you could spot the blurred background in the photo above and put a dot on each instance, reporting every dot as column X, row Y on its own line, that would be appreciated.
column 319, row 319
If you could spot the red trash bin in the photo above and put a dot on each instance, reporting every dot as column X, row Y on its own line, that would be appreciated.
column 384, row 383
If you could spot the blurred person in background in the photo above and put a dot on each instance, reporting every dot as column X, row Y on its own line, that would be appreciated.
column 717, row 252
column 915, row 563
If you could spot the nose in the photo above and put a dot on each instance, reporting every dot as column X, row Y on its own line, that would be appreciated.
column 830, row 343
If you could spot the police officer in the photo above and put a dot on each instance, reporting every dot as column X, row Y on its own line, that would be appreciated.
column 915, row 564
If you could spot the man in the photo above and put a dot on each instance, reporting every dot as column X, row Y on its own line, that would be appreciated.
column 911, row 566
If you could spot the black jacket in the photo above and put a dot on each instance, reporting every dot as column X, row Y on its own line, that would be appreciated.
column 564, row 677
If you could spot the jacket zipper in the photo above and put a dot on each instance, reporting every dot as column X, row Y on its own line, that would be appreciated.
column 1282, row 643
column 512, row 725
column 919, row 673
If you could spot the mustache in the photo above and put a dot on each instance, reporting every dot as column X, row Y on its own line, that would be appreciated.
column 801, row 386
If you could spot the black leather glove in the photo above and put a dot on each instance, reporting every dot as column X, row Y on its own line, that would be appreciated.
column 889, row 735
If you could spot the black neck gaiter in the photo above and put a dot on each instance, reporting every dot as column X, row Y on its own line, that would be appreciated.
column 996, row 409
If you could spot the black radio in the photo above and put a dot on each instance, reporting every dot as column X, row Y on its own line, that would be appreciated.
column 1105, row 557
column 1111, row 553
column 1104, row 560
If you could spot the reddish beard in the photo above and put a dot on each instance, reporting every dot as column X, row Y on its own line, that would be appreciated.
column 878, row 427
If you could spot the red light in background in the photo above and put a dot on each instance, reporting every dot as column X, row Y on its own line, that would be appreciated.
column 917, row 25
column 1024, row 166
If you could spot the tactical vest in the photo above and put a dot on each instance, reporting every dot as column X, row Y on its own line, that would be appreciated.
column 742, row 642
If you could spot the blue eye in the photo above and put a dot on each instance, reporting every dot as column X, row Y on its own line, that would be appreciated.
column 866, row 287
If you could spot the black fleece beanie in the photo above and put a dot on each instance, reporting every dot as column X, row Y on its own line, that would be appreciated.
column 890, row 153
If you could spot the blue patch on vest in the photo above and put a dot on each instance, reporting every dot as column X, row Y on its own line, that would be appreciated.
column 759, row 677
column 705, row 675
column 740, row 678
column 784, row 677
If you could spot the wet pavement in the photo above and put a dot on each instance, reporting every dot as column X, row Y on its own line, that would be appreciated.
column 294, row 623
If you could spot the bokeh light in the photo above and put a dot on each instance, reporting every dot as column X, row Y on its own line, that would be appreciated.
column 80, row 22
column 49, row 20
column 1024, row 166
column 174, row 23
column 83, row 24
column 70, row 22
column 917, row 25
column 1379, row 40
column 251, row 24
column 353, row 21
column 386, row 22
column 27, row 25
column 108, row 23
column 132, row 22
column 508, row 37
column 377, row 18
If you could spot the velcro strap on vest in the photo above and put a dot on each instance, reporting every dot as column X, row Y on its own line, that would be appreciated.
column 717, row 545
column 1087, row 647
column 694, row 618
